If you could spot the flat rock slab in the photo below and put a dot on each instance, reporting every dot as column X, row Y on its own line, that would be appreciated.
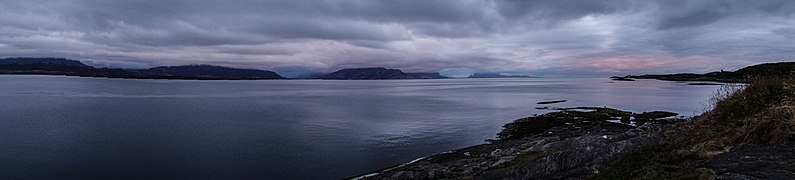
column 551, row 102
column 766, row 161
column 557, row 145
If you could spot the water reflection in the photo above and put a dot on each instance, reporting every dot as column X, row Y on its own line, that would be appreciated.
column 76, row 128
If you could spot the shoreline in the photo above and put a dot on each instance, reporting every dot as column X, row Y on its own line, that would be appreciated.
column 748, row 134
column 584, row 127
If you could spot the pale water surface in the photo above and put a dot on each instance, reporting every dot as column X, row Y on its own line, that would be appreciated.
column 55, row 127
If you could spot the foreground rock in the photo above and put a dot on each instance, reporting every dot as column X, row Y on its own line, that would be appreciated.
column 747, row 135
column 573, row 142
column 760, row 161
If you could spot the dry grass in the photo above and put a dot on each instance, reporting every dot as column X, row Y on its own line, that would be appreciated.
column 771, row 126
column 761, row 112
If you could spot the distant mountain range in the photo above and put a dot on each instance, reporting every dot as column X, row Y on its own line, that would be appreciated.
column 68, row 67
column 378, row 73
column 495, row 75
column 426, row 76
column 214, row 71
column 60, row 66
column 741, row 75
column 44, row 62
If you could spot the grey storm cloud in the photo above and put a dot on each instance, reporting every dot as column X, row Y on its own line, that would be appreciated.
column 561, row 37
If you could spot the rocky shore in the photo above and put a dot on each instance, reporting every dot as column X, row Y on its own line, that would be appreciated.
column 749, row 134
column 568, row 143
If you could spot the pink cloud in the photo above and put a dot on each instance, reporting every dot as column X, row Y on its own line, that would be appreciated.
column 648, row 63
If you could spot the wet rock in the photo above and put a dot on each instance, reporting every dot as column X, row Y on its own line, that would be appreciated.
column 551, row 102
column 654, row 115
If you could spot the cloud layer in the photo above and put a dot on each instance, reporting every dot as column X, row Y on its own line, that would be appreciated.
column 552, row 38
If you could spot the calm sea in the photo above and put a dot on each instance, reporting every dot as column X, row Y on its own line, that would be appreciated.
column 54, row 127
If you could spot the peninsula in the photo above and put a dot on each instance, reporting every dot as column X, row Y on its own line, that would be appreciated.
column 741, row 75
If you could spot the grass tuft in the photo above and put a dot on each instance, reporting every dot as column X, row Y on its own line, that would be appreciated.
column 761, row 112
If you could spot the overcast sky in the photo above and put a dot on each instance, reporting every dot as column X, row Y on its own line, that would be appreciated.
column 552, row 38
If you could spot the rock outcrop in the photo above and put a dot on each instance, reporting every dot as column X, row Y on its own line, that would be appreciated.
column 759, row 161
column 571, row 143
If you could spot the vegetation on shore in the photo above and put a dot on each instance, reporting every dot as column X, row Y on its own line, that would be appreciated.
column 748, row 133
column 739, row 76
column 761, row 113
column 569, row 142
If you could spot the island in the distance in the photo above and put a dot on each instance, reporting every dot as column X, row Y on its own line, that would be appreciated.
column 377, row 74
column 495, row 75
column 68, row 67
column 61, row 66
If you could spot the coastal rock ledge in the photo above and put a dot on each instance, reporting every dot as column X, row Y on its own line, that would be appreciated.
column 569, row 143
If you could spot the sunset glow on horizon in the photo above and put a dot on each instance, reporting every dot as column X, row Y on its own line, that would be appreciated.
column 542, row 38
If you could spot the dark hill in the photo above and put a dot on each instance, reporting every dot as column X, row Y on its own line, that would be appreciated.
column 767, row 69
column 741, row 75
column 209, row 71
column 494, row 75
column 378, row 73
column 367, row 73
column 426, row 76
column 51, row 66
column 61, row 66
column 43, row 62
